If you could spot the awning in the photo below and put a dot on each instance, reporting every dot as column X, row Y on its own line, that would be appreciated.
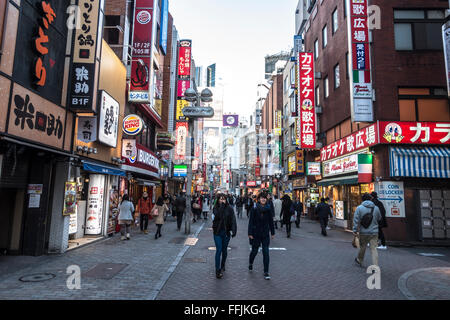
column 428, row 162
column 338, row 181
column 103, row 169
column 144, row 182
column 140, row 171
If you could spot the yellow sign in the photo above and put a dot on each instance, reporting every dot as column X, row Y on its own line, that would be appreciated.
column 181, row 104
column 292, row 163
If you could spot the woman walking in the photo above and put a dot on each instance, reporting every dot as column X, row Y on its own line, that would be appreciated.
column 259, row 226
column 224, row 224
column 196, row 206
column 159, row 212
column 126, row 211
column 205, row 207
column 287, row 211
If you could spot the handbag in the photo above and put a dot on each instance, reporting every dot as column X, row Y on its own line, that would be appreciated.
column 293, row 218
column 355, row 241
column 155, row 211
column 196, row 206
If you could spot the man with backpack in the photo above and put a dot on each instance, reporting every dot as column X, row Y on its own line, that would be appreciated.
column 323, row 211
column 366, row 220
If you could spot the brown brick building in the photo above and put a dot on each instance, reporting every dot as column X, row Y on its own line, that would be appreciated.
column 409, row 91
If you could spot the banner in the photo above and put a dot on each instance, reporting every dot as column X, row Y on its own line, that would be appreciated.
column 230, row 120
column 359, row 52
column 142, row 52
column 182, row 133
column 397, row 132
column 94, row 215
column 307, row 112
column 184, row 59
column 365, row 168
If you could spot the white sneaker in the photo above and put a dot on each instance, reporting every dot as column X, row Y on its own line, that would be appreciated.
column 382, row 248
column 328, row 228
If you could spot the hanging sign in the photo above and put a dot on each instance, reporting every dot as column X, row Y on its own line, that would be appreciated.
column 132, row 125
column 109, row 120
column 180, row 142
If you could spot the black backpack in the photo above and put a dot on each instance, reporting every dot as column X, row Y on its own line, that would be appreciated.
column 367, row 219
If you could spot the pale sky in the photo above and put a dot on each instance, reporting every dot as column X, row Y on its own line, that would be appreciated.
column 236, row 35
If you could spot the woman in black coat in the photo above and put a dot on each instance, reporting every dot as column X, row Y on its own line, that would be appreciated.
column 260, row 226
column 224, row 226
column 286, row 213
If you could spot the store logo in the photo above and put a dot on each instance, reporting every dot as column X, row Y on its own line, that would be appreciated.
column 144, row 17
column 230, row 120
column 132, row 125
column 94, row 190
column 393, row 133
column 307, row 104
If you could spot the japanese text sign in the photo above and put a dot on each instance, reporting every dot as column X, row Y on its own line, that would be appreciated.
column 181, row 133
column 306, row 104
column 109, row 120
column 414, row 132
column 184, row 59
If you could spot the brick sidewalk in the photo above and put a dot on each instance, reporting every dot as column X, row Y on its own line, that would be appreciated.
column 311, row 267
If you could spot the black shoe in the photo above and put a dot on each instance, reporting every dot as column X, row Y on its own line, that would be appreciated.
column 219, row 274
column 156, row 236
column 289, row 235
column 222, row 269
column 358, row 263
column 266, row 276
column 250, row 267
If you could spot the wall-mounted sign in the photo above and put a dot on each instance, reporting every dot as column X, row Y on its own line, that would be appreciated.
column 231, row 120
column 86, row 48
column 129, row 150
column 313, row 168
column 183, row 85
column 109, row 120
column 396, row 132
column 306, row 105
column 87, row 129
column 356, row 141
column 251, row 183
column 164, row 24
column 291, row 163
column 142, row 51
column 341, row 165
column 132, row 125
column 198, row 112
column 359, row 53
column 94, row 214
column 300, row 166
column 179, row 170
column 339, row 209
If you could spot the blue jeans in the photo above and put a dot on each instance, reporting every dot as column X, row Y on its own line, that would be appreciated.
column 265, row 250
column 221, row 242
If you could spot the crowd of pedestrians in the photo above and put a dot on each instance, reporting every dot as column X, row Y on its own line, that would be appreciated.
column 263, row 213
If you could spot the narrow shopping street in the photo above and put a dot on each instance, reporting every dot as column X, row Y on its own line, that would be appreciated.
column 304, row 267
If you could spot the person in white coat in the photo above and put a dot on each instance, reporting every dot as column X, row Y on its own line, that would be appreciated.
column 126, row 211
column 277, row 203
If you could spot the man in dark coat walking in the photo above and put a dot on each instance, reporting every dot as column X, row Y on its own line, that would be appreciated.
column 287, row 211
column 383, row 223
column 323, row 211
column 180, row 207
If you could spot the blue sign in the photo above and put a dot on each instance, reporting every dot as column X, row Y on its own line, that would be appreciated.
column 361, row 56
column 298, row 43
column 164, row 24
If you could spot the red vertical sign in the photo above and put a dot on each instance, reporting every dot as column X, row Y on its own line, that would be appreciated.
column 142, row 50
column 184, row 60
column 307, row 112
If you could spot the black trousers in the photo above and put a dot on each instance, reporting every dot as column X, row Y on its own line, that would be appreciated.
column 159, row 229
column 297, row 221
column 179, row 219
column 323, row 225
column 288, row 228
column 144, row 222
column 381, row 236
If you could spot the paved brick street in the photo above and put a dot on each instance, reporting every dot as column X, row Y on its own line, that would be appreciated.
column 310, row 267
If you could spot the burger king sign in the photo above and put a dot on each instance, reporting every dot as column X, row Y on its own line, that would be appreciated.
column 132, row 125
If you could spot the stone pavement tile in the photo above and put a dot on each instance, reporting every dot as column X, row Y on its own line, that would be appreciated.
column 312, row 267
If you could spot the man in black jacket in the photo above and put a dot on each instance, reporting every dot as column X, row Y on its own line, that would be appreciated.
column 323, row 211
column 383, row 223
column 180, row 207
column 260, row 226
column 224, row 226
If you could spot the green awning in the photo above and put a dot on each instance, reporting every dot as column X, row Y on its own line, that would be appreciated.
column 338, row 181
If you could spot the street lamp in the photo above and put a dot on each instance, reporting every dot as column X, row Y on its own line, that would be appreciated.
column 195, row 99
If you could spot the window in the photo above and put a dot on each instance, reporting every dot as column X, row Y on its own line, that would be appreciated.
column 316, row 49
column 286, row 84
column 345, row 9
column 293, row 74
column 337, row 77
column 335, row 21
column 293, row 104
column 324, row 37
column 292, row 133
column 317, row 96
column 418, row 29
column 2, row 20
column 423, row 104
column 347, row 66
column 326, row 87
column 112, row 33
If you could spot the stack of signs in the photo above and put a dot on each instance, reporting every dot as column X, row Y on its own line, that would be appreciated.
column 306, row 112
column 359, row 48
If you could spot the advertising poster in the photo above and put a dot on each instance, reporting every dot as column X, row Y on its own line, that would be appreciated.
column 70, row 198
column 94, row 213
column 181, row 136
column 339, row 209
column 35, row 192
column 113, row 210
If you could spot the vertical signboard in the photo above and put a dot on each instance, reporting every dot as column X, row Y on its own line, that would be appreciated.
column 306, row 111
column 109, row 120
column 142, row 52
column 86, row 50
column 359, row 53
column 184, row 60
column 446, row 39
column 164, row 25
column 181, row 133
column 94, row 214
